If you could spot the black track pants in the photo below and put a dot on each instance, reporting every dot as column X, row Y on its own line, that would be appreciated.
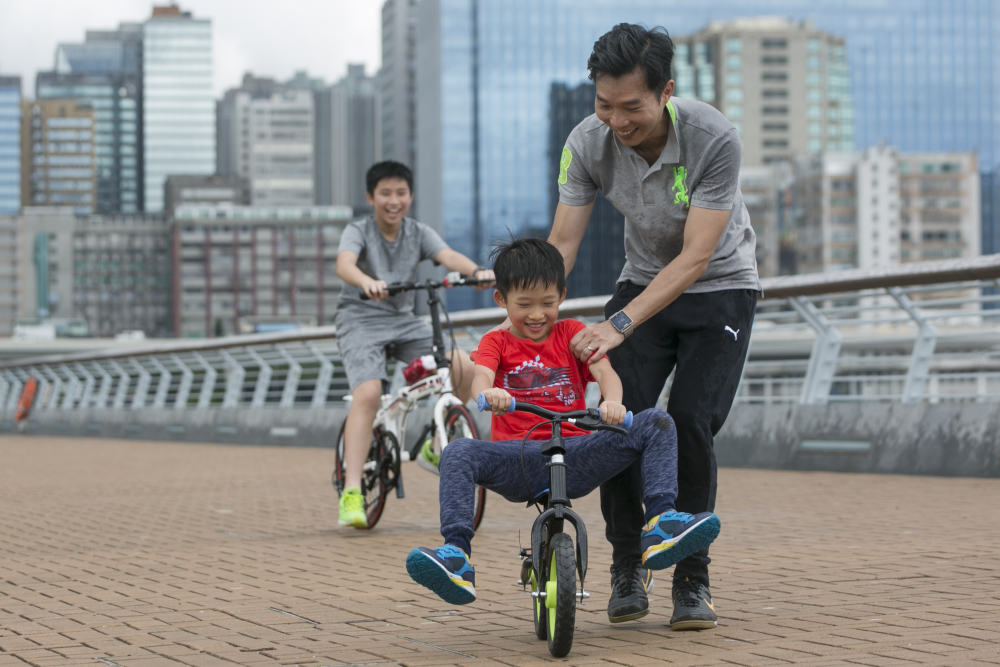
column 706, row 337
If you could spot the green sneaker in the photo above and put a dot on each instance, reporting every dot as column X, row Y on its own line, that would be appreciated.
column 352, row 508
column 427, row 459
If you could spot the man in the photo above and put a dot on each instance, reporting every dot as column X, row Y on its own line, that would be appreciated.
column 685, row 300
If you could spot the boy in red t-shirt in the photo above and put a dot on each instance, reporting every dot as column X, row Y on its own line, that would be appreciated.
column 532, row 362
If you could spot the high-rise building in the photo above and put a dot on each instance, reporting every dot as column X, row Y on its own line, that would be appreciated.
column 58, row 155
column 10, row 145
column 881, row 207
column 397, row 81
column 601, row 256
column 178, row 107
column 990, row 189
column 485, row 70
column 348, row 131
column 784, row 85
column 105, row 73
column 762, row 188
column 260, row 263
column 266, row 136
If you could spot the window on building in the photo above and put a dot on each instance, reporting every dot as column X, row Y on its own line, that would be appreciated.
column 814, row 112
column 774, row 43
column 734, row 95
column 775, row 127
column 774, row 60
column 734, row 111
column 776, row 143
column 734, row 44
column 775, row 93
column 734, row 78
column 813, row 79
column 734, row 61
column 774, row 76
column 775, row 110
column 812, row 62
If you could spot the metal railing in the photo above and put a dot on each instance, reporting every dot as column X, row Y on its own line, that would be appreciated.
column 926, row 331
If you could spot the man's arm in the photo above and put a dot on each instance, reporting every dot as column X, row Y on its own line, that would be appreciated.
column 612, row 410
column 702, row 232
column 348, row 271
column 568, row 228
column 456, row 261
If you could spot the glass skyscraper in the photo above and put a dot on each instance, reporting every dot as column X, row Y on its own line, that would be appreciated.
column 924, row 76
column 10, row 145
column 178, row 106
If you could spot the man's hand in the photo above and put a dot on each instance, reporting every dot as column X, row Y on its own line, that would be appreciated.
column 485, row 274
column 499, row 400
column 374, row 289
column 592, row 343
column 612, row 413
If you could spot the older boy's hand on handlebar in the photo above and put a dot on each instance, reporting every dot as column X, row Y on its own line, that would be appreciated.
column 498, row 399
column 612, row 413
column 375, row 289
column 485, row 274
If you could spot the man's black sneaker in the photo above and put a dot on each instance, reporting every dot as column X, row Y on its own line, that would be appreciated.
column 693, row 609
column 629, row 584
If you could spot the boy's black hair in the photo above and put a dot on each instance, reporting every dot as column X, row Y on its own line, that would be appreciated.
column 527, row 263
column 626, row 47
column 387, row 169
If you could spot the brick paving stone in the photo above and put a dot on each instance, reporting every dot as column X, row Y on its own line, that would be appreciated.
column 150, row 554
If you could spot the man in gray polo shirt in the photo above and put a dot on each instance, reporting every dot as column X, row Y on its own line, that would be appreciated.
column 685, row 300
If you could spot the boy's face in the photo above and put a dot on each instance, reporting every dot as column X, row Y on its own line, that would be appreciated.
column 391, row 201
column 533, row 311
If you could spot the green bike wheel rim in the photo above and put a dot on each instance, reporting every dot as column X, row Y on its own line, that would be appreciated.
column 552, row 610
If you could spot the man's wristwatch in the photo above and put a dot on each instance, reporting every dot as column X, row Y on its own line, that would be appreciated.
column 622, row 322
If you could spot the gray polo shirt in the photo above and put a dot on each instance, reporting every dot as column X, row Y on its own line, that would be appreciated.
column 699, row 166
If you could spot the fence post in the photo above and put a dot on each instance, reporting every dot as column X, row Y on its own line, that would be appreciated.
column 124, row 380
column 104, row 391
column 323, row 379
column 142, row 388
column 88, row 387
column 184, row 388
column 291, row 387
column 823, row 360
column 234, row 384
column 208, row 383
column 923, row 350
column 162, row 385
column 71, row 388
column 263, row 379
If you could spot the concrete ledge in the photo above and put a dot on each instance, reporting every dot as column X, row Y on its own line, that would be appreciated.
column 949, row 439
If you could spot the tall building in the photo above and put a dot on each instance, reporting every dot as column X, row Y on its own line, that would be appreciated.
column 784, row 85
column 10, row 145
column 762, row 188
column 601, row 256
column 485, row 70
column 348, row 131
column 58, row 155
column 266, row 136
column 260, row 263
column 397, row 81
column 990, row 189
column 881, row 207
column 178, row 107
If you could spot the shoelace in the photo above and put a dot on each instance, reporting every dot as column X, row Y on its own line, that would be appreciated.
column 674, row 515
column 624, row 579
column 687, row 593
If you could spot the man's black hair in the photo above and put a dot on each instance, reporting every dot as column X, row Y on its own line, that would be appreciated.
column 626, row 47
column 387, row 169
column 521, row 264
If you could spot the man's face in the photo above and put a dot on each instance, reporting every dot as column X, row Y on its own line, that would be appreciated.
column 532, row 311
column 391, row 200
column 630, row 109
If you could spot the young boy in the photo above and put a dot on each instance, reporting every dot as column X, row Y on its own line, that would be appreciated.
column 385, row 247
column 532, row 362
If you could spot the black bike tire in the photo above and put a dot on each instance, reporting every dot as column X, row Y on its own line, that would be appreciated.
column 338, row 466
column 373, row 510
column 562, row 568
column 381, row 446
column 461, row 412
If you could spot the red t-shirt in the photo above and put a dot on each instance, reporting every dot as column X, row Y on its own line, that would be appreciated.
column 546, row 374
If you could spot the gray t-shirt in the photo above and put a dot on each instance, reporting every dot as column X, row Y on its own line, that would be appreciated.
column 699, row 166
column 392, row 262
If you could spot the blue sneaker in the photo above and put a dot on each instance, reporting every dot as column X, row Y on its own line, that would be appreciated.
column 673, row 536
column 446, row 571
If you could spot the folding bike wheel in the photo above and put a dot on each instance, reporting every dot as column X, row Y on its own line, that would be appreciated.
column 458, row 423
column 378, row 476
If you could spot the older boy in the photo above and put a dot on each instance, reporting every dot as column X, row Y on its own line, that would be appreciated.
column 532, row 362
column 385, row 247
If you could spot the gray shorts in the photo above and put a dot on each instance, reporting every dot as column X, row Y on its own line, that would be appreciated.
column 362, row 346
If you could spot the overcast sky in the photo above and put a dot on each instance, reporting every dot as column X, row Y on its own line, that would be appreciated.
column 273, row 38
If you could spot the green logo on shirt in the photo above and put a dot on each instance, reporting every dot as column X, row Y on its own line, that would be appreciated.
column 680, row 187
column 564, row 162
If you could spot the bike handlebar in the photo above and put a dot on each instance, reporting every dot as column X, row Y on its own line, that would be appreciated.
column 581, row 418
column 449, row 281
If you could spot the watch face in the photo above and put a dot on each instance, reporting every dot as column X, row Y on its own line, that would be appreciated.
column 620, row 321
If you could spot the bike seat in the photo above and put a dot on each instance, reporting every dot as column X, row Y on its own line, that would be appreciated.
column 542, row 498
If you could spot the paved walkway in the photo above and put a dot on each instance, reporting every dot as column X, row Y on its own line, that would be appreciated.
column 145, row 554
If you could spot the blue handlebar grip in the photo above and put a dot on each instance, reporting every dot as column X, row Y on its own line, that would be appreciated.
column 483, row 405
column 628, row 420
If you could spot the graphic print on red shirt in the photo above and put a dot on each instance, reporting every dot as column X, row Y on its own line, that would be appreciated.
column 545, row 373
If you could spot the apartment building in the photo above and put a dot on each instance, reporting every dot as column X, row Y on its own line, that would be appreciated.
column 58, row 163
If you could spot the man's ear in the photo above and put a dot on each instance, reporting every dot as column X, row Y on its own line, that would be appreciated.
column 370, row 199
column 500, row 301
column 563, row 296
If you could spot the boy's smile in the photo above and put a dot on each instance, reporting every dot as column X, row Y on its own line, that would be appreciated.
column 532, row 311
column 391, row 201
